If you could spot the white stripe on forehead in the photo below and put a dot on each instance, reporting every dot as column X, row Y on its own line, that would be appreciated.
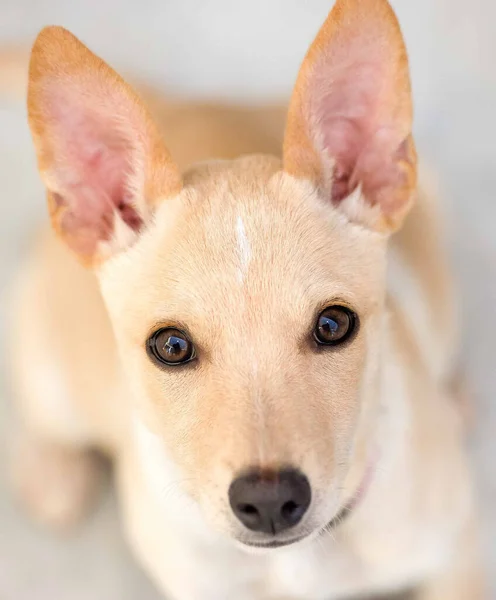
column 244, row 249
column 245, row 254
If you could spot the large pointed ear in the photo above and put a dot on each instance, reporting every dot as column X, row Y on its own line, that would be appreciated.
column 350, row 117
column 99, row 154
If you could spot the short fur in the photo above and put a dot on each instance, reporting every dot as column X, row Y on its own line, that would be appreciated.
column 243, row 252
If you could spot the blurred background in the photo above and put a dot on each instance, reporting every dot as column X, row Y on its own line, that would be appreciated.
column 249, row 52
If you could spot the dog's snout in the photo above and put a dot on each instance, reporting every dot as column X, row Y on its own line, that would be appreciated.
column 270, row 503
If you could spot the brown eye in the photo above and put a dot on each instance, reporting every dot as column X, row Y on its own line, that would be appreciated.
column 334, row 325
column 170, row 347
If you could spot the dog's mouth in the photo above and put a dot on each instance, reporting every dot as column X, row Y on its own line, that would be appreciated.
column 274, row 544
column 337, row 520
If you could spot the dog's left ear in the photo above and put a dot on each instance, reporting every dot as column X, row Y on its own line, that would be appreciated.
column 350, row 117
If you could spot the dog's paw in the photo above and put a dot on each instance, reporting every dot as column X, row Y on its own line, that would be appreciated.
column 57, row 485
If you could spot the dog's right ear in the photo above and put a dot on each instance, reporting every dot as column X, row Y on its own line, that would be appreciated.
column 100, row 155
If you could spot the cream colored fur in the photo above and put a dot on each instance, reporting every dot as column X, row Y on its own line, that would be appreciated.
column 243, row 255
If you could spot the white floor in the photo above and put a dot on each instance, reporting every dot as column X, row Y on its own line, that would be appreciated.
column 250, row 51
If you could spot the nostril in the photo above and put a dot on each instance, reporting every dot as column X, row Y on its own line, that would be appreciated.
column 249, row 515
column 291, row 511
column 248, row 509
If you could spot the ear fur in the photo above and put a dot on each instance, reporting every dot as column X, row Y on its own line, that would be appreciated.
column 99, row 153
column 350, row 117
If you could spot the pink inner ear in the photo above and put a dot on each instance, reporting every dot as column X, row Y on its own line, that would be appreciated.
column 345, row 116
column 92, row 168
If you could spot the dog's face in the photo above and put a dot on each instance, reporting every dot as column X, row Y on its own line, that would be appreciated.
column 275, row 304
column 247, row 297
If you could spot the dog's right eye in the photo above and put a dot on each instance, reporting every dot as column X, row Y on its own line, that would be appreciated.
column 170, row 347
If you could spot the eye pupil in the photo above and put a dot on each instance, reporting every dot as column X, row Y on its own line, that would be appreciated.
column 175, row 345
column 170, row 347
column 334, row 326
column 328, row 326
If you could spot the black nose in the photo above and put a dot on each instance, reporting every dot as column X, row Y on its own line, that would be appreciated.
column 270, row 502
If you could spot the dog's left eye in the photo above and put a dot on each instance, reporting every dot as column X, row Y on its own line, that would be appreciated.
column 170, row 347
column 334, row 326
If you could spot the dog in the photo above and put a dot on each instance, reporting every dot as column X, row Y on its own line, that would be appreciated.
column 255, row 320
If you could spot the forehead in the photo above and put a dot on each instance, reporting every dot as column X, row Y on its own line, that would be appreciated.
column 244, row 234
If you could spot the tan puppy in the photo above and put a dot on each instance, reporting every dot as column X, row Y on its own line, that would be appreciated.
column 269, row 372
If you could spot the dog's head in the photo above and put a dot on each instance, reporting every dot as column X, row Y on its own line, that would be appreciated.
column 247, row 296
